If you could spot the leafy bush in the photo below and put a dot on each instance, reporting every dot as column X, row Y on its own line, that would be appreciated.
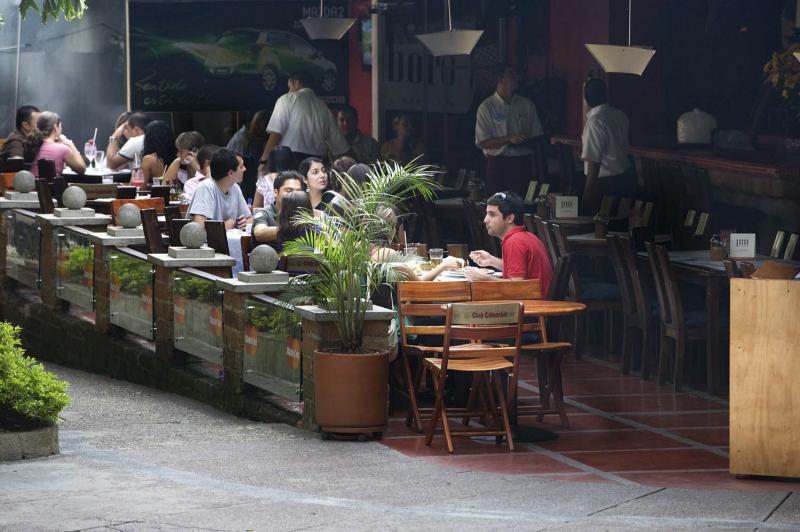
column 196, row 288
column 30, row 396
column 133, row 274
column 77, row 261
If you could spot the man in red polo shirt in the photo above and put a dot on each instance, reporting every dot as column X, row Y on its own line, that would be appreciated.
column 524, row 255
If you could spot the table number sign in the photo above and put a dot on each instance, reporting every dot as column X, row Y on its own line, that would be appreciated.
column 742, row 246
column 566, row 207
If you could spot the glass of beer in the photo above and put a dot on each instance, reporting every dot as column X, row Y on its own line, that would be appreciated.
column 436, row 255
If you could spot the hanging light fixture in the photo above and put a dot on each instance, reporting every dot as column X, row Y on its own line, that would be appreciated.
column 326, row 28
column 622, row 59
column 450, row 42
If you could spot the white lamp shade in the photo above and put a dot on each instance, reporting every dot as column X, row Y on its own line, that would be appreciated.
column 455, row 42
column 797, row 54
column 621, row 59
column 327, row 28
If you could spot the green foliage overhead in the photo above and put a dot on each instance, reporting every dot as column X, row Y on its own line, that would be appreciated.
column 30, row 396
column 343, row 245
column 52, row 9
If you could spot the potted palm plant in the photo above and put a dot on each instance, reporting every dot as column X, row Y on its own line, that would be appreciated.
column 350, row 381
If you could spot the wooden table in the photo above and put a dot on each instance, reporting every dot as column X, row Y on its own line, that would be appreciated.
column 696, row 267
column 590, row 245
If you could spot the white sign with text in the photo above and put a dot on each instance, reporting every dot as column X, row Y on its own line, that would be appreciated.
column 566, row 206
column 742, row 246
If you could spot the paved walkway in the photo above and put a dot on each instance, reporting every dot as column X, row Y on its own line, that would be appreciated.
column 139, row 459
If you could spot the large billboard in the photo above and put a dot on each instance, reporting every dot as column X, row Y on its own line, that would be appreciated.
column 229, row 55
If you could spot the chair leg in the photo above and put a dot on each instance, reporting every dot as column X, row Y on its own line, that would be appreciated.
column 558, row 388
column 491, row 405
column 626, row 348
column 503, row 412
column 473, row 395
column 580, row 325
column 645, row 357
column 411, row 384
column 680, row 353
column 663, row 358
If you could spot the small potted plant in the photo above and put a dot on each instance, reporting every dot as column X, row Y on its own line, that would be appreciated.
column 350, row 382
column 600, row 225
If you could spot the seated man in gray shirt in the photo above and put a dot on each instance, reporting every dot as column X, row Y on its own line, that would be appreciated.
column 220, row 197
column 265, row 224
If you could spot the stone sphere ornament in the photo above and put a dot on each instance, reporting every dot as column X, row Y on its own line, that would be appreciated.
column 263, row 259
column 129, row 216
column 73, row 198
column 24, row 181
column 193, row 235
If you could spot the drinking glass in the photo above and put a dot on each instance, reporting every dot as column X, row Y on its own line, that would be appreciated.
column 436, row 255
column 90, row 151
column 100, row 159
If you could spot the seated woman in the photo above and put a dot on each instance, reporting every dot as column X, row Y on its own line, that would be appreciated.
column 281, row 159
column 204, row 156
column 403, row 148
column 185, row 166
column 315, row 179
column 291, row 204
column 158, row 150
column 48, row 142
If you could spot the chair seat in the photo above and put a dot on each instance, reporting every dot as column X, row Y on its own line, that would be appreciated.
column 600, row 291
column 546, row 346
column 471, row 364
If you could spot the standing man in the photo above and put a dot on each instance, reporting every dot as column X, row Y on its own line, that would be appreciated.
column 25, row 123
column 304, row 123
column 220, row 197
column 524, row 255
column 121, row 152
column 265, row 221
column 364, row 147
column 506, row 125
column 605, row 149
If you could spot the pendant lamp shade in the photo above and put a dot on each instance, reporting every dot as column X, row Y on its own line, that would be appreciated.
column 326, row 28
column 797, row 55
column 621, row 59
column 455, row 42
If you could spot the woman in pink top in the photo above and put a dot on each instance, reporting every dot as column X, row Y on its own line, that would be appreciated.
column 47, row 142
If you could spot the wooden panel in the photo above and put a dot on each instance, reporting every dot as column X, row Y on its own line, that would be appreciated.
column 765, row 365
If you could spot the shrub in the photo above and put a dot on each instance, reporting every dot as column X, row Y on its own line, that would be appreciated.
column 30, row 396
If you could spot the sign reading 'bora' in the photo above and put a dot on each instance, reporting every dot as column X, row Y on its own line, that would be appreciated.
column 566, row 206
column 742, row 246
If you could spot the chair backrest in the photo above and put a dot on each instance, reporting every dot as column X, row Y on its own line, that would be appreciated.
column 215, row 234
column 160, row 191
column 172, row 212
column 483, row 323
column 605, row 206
column 702, row 224
column 530, row 224
column 294, row 265
column 245, row 242
column 174, row 227
column 791, row 245
column 425, row 299
column 747, row 269
column 97, row 190
column 59, row 186
column 458, row 250
column 47, row 169
column 732, row 269
column 625, row 267
column 153, row 239
column 494, row 290
column 623, row 208
column 562, row 276
column 669, row 299
column 461, row 179
column 543, row 232
column 13, row 165
column 45, row 199
column 560, row 243
column 126, row 192
column 777, row 244
column 150, row 203
column 647, row 213
column 530, row 194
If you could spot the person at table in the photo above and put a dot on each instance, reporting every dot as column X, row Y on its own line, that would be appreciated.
column 220, row 197
column 506, row 124
column 364, row 148
column 204, row 156
column 280, row 160
column 302, row 122
column 48, row 141
column 315, row 179
column 159, row 150
column 524, row 255
column 122, row 152
column 605, row 149
column 404, row 147
column 265, row 220
column 292, row 203
column 252, row 137
column 185, row 165
column 25, row 123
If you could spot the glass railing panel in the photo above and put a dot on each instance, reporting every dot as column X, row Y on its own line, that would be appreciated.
column 198, row 315
column 131, row 289
column 23, row 247
column 74, row 268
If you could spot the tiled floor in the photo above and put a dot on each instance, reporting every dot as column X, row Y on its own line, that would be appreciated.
column 622, row 430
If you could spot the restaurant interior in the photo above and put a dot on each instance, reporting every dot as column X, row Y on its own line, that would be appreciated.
column 668, row 356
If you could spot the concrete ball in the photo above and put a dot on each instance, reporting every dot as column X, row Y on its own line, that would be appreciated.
column 73, row 198
column 24, row 181
column 129, row 216
column 193, row 235
column 263, row 259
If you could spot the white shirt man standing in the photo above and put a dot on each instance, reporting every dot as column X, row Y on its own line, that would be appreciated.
column 505, row 127
column 303, row 122
column 605, row 148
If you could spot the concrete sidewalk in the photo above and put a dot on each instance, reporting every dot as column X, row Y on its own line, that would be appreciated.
column 134, row 458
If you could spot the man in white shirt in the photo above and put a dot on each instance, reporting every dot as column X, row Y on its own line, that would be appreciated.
column 304, row 123
column 605, row 148
column 121, row 152
column 505, row 128
column 220, row 197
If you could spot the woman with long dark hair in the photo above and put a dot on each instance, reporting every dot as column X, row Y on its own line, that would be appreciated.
column 315, row 179
column 48, row 142
column 281, row 159
column 159, row 150
column 291, row 204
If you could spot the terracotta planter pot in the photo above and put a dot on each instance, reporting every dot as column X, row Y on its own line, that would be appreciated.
column 351, row 391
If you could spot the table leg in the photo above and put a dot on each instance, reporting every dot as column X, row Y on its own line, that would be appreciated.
column 713, row 365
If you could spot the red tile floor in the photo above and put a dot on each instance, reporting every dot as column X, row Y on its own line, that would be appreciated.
column 622, row 430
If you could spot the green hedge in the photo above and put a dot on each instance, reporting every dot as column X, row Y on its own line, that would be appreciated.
column 30, row 396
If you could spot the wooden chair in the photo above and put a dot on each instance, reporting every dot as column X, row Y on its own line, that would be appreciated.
column 59, row 186
column 153, row 239
column 126, row 192
column 45, row 199
column 47, row 169
column 732, row 269
column 246, row 242
column 161, row 191
column 543, row 232
column 636, row 316
column 458, row 250
column 778, row 250
column 216, row 237
column 777, row 244
column 676, row 329
column 477, row 325
column 174, row 227
column 294, row 265
column 420, row 300
column 791, row 245
column 97, row 190
column 747, row 269
column 530, row 224
column 156, row 204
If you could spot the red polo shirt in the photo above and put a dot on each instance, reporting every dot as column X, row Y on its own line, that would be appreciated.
column 525, row 256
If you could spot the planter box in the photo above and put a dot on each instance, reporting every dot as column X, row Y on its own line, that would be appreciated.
column 34, row 443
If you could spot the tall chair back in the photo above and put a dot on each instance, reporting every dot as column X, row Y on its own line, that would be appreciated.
column 493, row 290
column 124, row 192
column 45, row 199
column 217, row 239
column 154, row 240
column 669, row 300
column 47, row 169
